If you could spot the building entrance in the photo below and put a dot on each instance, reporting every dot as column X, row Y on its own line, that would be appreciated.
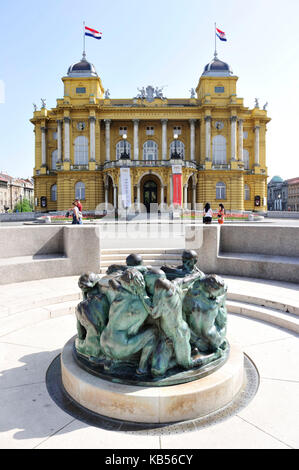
column 150, row 194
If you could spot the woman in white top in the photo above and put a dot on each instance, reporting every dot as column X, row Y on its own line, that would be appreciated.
column 207, row 214
column 77, row 215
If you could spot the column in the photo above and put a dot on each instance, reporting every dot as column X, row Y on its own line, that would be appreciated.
column 194, row 197
column 138, row 196
column 164, row 139
column 136, row 139
column 192, row 139
column 106, row 196
column 162, row 196
column 115, row 196
column 107, row 123
column 185, row 196
column 208, row 137
column 241, row 139
column 171, row 190
column 67, row 139
column 92, row 140
column 233, row 127
column 43, row 149
column 59, row 140
column 257, row 145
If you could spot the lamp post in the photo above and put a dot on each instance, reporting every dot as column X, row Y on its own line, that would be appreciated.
column 175, row 155
column 125, row 155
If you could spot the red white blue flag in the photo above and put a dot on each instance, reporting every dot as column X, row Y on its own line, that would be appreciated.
column 92, row 33
column 221, row 34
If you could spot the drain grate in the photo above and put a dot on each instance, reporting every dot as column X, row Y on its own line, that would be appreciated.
column 61, row 398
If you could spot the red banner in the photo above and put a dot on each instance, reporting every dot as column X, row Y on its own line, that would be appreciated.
column 177, row 189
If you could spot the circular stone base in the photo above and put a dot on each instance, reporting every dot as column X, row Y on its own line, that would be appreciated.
column 153, row 405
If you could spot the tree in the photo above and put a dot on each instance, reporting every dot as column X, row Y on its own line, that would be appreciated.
column 23, row 206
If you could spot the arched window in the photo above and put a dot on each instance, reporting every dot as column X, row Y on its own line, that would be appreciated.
column 54, row 159
column 150, row 150
column 246, row 192
column 120, row 148
column 220, row 190
column 219, row 150
column 246, row 159
column 180, row 148
column 54, row 192
column 80, row 191
column 81, row 150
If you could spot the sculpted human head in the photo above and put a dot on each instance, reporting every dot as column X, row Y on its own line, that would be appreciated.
column 132, row 280
column 189, row 258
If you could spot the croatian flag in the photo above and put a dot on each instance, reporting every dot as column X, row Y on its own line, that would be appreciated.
column 221, row 34
column 93, row 33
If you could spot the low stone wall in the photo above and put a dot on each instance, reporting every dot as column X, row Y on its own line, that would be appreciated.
column 40, row 252
column 282, row 215
column 20, row 216
column 250, row 251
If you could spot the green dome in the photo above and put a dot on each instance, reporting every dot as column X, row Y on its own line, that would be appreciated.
column 276, row 179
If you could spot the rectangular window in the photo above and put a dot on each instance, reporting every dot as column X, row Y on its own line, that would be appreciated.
column 123, row 130
column 80, row 90
column 177, row 130
column 150, row 131
column 219, row 89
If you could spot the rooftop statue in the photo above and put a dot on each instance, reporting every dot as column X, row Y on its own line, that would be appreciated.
column 138, row 322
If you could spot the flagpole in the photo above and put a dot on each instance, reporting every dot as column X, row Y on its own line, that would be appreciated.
column 84, row 54
column 215, row 43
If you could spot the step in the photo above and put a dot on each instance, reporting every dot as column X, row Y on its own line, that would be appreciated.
column 268, row 315
column 144, row 257
column 147, row 262
column 23, row 319
column 129, row 251
column 266, row 300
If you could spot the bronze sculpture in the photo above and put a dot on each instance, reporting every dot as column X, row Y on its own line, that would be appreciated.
column 139, row 321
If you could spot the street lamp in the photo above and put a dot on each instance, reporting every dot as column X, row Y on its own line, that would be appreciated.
column 125, row 155
column 175, row 155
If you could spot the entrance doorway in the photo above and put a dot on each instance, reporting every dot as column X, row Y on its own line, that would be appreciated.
column 150, row 194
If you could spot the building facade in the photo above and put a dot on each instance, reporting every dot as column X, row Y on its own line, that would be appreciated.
column 150, row 149
column 277, row 194
column 293, row 194
column 14, row 190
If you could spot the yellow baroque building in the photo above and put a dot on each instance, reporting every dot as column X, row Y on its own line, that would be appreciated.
column 85, row 145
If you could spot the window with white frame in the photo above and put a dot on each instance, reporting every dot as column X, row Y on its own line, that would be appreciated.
column 246, row 159
column 54, row 159
column 55, row 135
column 150, row 130
column 219, row 150
column 121, row 147
column 123, row 130
column 179, row 146
column 246, row 192
column 150, row 150
column 81, row 150
column 80, row 190
column 54, row 193
column 245, row 135
column 220, row 190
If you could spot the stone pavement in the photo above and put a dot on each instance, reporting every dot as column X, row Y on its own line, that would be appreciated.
column 37, row 319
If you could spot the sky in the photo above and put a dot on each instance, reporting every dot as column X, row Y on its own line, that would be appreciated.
column 160, row 43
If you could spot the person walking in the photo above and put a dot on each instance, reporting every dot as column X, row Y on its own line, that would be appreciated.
column 220, row 214
column 207, row 214
column 77, row 215
column 79, row 205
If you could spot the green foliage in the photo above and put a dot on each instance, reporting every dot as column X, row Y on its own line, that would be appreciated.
column 24, row 206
